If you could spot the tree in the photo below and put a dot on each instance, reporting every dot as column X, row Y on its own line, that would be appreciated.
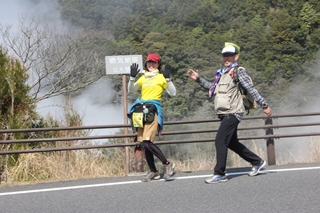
column 57, row 62
column 308, row 16
column 15, row 101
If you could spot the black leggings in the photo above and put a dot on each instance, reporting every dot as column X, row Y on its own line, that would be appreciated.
column 151, row 149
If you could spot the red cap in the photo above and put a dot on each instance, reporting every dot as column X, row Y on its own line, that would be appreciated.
column 153, row 57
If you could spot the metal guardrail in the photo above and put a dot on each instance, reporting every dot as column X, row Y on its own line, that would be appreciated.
column 268, row 127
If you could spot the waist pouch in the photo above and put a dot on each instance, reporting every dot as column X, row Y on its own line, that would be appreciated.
column 143, row 113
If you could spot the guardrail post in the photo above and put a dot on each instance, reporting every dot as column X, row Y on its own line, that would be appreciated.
column 138, row 159
column 270, row 144
column 125, row 111
column 1, row 158
column 1, row 168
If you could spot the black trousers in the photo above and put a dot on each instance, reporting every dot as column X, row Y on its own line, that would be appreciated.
column 150, row 149
column 227, row 138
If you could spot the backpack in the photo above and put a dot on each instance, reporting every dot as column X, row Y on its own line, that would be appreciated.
column 248, row 101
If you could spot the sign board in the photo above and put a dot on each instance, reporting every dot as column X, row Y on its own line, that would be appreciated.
column 120, row 64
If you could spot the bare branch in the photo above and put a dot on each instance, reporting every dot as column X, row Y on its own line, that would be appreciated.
column 57, row 62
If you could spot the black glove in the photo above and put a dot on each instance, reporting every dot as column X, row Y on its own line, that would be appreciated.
column 166, row 72
column 134, row 70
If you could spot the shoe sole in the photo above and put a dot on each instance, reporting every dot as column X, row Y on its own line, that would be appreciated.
column 173, row 165
column 157, row 177
column 154, row 178
column 264, row 163
column 220, row 181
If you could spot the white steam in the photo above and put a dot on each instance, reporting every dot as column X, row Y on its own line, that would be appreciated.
column 94, row 103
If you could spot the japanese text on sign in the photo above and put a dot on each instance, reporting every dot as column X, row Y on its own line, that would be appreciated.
column 121, row 64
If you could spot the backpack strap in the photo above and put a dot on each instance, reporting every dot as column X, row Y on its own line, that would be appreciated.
column 235, row 76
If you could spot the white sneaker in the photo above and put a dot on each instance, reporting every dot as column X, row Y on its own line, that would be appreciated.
column 255, row 169
column 217, row 179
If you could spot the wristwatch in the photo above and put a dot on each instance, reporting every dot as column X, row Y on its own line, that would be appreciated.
column 264, row 106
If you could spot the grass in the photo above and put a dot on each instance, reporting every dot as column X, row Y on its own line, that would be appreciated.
column 65, row 165
column 314, row 150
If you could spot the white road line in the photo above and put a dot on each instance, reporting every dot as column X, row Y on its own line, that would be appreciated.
column 138, row 181
column 69, row 187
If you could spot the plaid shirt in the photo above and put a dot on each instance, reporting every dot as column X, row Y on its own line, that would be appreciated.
column 246, row 84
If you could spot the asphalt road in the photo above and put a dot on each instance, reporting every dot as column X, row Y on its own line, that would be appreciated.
column 291, row 188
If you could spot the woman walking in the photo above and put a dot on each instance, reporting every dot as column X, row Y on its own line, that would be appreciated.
column 146, row 111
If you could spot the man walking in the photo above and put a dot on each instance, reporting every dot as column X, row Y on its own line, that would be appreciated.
column 230, row 109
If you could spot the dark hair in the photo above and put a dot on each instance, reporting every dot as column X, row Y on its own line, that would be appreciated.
column 145, row 65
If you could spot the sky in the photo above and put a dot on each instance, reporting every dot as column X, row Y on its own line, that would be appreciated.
column 94, row 104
